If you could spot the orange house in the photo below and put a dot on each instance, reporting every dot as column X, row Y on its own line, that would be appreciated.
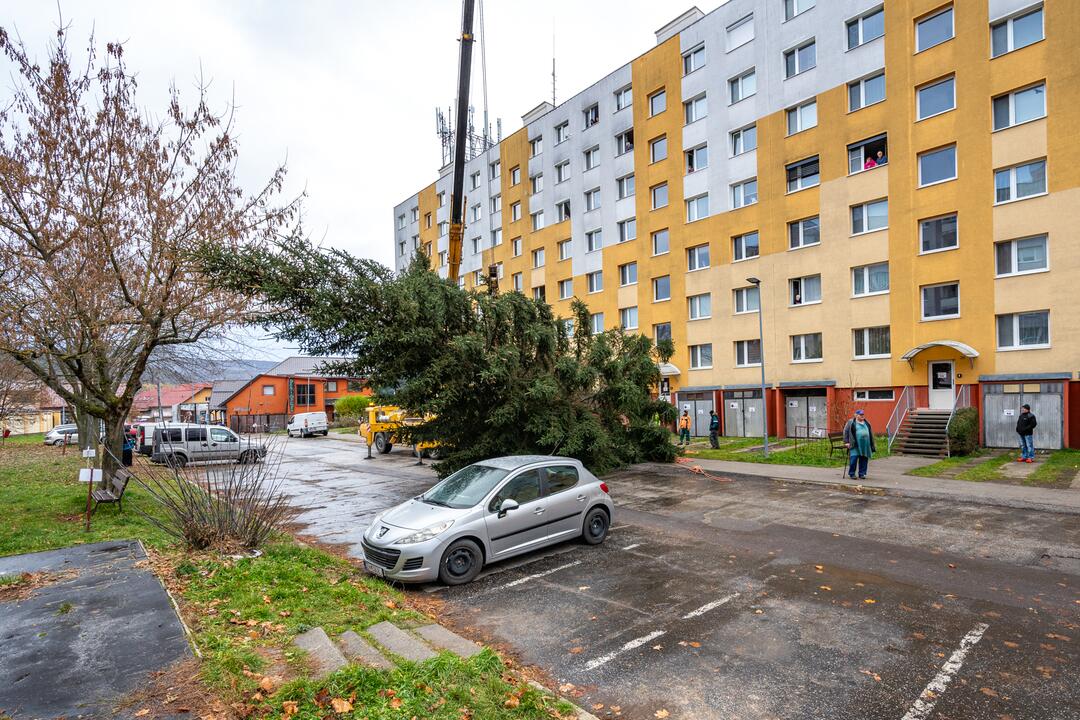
column 295, row 385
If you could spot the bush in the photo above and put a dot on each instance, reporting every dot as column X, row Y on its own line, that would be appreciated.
column 964, row 431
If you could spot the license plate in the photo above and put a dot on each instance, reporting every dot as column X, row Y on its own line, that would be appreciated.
column 374, row 569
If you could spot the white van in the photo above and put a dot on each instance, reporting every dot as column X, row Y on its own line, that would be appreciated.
column 307, row 424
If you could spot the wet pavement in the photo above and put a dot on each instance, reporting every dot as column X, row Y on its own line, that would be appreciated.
column 758, row 599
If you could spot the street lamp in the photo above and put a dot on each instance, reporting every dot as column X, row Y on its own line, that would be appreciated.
column 756, row 282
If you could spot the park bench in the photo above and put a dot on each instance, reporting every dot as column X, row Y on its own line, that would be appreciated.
column 115, row 492
column 836, row 443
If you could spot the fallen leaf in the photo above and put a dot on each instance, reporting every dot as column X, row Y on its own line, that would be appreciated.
column 661, row 713
column 869, row 601
column 598, row 706
column 576, row 650
column 870, row 673
column 1010, row 644
column 341, row 705
column 566, row 687
column 511, row 702
column 290, row 707
column 390, row 604
column 395, row 703
column 269, row 682
column 615, row 708
column 952, row 566
column 657, row 647
column 266, row 599
column 284, row 613
column 824, row 587
column 988, row 691
column 584, row 587
column 695, row 644
column 1055, row 636
column 143, row 712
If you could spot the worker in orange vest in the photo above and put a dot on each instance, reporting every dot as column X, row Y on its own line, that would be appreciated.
column 684, row 428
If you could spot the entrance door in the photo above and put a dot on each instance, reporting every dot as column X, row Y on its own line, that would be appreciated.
column 942, row 392
column 698, row 404
column 806, row 413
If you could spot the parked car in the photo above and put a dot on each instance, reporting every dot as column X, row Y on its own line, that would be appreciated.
column 307, row 424
column 181, row 443
column 61, row 434
column 488, row 511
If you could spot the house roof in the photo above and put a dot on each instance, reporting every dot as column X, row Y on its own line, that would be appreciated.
column 223, row 390
column 171, row 395
column 303, row 365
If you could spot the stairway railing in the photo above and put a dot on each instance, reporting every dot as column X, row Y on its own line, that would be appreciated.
column 962, row 400
column 904, row 404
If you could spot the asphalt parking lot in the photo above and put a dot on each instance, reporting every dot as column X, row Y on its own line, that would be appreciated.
column 759, row 599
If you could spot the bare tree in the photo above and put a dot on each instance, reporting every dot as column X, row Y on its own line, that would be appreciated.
column 102, row 208
column 19, row 391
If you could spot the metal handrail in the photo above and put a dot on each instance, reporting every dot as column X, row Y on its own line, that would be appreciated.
column 904, row 404
column 962, row 400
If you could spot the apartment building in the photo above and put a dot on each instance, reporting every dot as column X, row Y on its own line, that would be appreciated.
column 900, row 180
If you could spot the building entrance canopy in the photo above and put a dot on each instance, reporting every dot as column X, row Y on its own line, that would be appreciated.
column 966, row 350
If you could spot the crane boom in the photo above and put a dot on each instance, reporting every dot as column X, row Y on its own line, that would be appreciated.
column 461, row 130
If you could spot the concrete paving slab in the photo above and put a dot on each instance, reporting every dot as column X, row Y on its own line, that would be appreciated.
column 359, row 650
column 445, row 639
column 324, row 655
column 399, row 642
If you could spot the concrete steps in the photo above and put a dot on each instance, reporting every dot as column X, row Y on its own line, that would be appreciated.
column 923, row 432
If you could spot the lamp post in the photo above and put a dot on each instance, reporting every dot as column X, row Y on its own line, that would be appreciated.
column 756, row 282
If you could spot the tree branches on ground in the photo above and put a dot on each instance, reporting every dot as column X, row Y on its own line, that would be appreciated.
column 495, row 375
column 100, row 207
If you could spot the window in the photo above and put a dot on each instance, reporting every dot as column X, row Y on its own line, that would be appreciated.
column 305, row 393
column 870, row 279
column 806, row 348
column 701, row 356
column 596, row 323
column 937, row 166
column 865, row 92
column 623, row 98
column 562, row 132
column 1023, row 330
column 592, row 116
column 697, row 158
column 496, row 237
column 592, row 157
column 628, row 318
column 936, row 98
column 496, row 203
column 538, row 258
column 518, row 281
column 515, row 246
column 659, row 195
column 803, row 233
column 536, row 183
column 268, row 390
column 515, row 175
column 661, row 242
column 865, row 28
column 562, row 211
column 740, row 32
column 594, row 240
column 796, row 7
column 624, row 142
column 697, row 258
column 661, row 332
column 1020, row 181
column 742, row 86
column 747, row 353
column 1019, row 257
column 442, row 199
column 565, row 248
column 868, row 154
column 870, row 216
column 401, row 221
column 657, row 103
column 474, row 180
column 625, row 186
column 1020, row 106
column 802, row 117
column 627, row 229
column 938, row 234
column 474, row 213
column 538, row 220
column 415, row 214
column 743, row 140
column 697, row 208
column 562, row 172
column 745, row 246
column 803, row 174
column 444, row 228
column 700, row 306
column 873, row 342
column 800, row 59
column 515, row 212
column 744, row 193
column 934, row 30
column 196, row 435
column 478, row 276
column 1016, row 32
column 592, row 199
column 693, row 60
column 595, row 281
column 661, row 288
column 696, row 108
column 658, row 149
column 494, row 170
column 805, row 290
column 427, row 220
column 475, row 245
column 940, row 301
column 747, row 300
column 873, row 395
column 540, row 293
column 499, row 270
column 628, row 274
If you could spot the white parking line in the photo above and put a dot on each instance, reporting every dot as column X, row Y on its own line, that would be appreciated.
column 631, row 547
column 924, row 704
column 709, row 606
column 636, row 643
column 527, row 578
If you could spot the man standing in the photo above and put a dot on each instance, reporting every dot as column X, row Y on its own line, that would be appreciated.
column 1025, row 428
column 714, row 430
column 684, row 428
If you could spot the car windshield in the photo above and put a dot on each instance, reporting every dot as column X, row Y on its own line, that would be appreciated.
column 466, row 487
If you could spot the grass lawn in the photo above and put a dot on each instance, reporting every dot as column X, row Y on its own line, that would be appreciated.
column 811, row 453
column 244, row 613
column 986, row 471
column 945, row 465
column 1057, row 471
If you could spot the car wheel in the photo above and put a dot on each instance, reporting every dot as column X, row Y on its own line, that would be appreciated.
column 248, row 457
column 382, row 443
column 461, row 562
column 596, row 526
column 325, row 433
column 178, row 460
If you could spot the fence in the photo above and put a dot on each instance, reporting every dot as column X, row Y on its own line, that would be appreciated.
column 246, row 424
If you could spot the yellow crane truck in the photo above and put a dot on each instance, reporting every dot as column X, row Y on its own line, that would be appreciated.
column 380, row 430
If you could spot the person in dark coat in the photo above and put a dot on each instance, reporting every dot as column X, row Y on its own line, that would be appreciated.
column 714, row 430
column 1025, row 428
column 859, row 440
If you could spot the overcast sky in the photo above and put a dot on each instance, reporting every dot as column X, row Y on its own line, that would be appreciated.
column 346, row 91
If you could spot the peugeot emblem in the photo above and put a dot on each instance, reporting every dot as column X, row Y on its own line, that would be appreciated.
column 383, row 530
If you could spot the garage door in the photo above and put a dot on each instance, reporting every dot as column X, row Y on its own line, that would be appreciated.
column 743, row 413
column 699, row 405
column 806, row 413
column 1001, row 406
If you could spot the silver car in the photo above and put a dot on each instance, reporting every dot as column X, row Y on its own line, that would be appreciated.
column 63, row 434
column 485, row 512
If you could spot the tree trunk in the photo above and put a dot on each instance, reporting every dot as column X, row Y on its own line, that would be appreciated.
column 113, row 451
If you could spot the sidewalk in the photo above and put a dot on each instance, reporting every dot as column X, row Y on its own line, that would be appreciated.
column 888, row 474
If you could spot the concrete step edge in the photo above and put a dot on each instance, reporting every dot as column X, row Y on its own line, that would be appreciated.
column 439, row 637
column 358, row 650
column 400, row 642
column 324, row 654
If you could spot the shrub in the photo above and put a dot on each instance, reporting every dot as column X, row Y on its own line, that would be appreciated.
column 964, row 431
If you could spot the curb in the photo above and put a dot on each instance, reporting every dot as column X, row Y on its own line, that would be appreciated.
column 582, row 714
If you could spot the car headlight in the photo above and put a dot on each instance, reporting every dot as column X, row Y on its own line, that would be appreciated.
column 425, row 534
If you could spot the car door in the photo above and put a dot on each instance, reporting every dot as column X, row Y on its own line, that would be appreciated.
column 520, row 528
column 197, row 443
column 565, row 502
column 223, row 444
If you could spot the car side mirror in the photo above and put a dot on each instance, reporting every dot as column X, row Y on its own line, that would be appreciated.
column 507, row 505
